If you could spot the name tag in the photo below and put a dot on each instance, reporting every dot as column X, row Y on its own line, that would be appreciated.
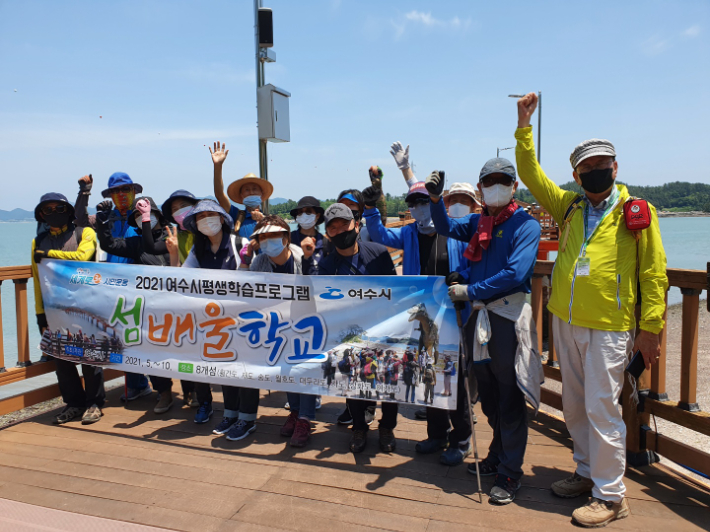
column 583, row 266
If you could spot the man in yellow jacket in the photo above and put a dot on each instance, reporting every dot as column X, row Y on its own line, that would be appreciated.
column 65, row 241
column 599, row 266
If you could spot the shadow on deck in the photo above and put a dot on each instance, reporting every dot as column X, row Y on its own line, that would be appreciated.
column 166, row 471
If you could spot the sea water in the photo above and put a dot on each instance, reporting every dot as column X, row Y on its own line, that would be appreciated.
column 686, row 241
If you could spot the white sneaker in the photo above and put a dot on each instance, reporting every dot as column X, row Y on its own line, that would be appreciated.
column 318, row 402
column 370, row 415
column 287, row 406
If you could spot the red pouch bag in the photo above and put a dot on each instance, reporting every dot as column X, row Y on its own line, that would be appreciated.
column 637, row 214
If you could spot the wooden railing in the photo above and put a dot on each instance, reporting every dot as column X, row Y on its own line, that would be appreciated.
column 642, row 441
column 25, row 368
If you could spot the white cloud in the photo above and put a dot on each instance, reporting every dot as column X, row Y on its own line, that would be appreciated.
column 426, row 20
column 692, row 31
column 655, row 45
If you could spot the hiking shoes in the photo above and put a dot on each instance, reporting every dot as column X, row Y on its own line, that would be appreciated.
column 70, row 413
column 345, row 418
column 485, row 467
column 165, row 401
column 597, row 513
column 573, row 486
column 92, row 415
column 224, row 425
column 455, row 455
column 204, row 413
column 290, row 425
column 503, row 491
column 358, row 441
column 301, row 433
column 241, row 430
column 387, row 441
column 136, row 393
column 431, row 445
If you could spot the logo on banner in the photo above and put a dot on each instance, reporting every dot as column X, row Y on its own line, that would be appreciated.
column 83, row 276
column 333, row 293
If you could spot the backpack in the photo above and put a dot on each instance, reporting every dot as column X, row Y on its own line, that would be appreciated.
column 453, row 370
column 368, row 369
column 344, row 365
column 429, row 376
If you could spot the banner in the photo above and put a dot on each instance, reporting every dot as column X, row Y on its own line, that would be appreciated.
column 392, row 338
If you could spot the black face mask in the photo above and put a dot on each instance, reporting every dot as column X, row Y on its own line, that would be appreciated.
column 56, row 219
column 597, row 181
column 345, row 239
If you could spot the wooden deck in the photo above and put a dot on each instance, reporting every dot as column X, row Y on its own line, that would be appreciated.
column 166, row 471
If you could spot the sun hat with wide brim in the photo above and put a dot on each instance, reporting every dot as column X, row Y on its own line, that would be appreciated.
column 464, row 189
column 206, row 205
column 53, row 197
column 119, row 179
column 269, row 229
column 309, row 201
column 234, row 191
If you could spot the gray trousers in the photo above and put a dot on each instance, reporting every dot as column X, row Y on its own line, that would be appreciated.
column 502, row 401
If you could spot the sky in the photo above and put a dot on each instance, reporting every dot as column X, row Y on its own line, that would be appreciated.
column 145, row 86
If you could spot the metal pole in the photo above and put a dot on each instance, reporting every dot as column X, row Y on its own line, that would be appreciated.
column 497, row 152
column 263, row 158
column 539, row 123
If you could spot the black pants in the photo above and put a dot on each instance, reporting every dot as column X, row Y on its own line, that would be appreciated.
column 73, row 393
column 357, row 410
column 187, row 387
column 437, row 419
column 237, row 399
column 501, row 400
column 161, row 384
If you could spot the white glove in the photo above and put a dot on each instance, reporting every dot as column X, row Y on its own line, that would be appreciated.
column 458, row 292
column 401, row 156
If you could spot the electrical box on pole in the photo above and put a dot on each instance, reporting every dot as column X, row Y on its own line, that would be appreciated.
column 274, row 125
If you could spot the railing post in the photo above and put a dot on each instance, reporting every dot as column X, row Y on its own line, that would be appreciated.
column 23, row 333
column 658, row 370
column 536, row 300
column 2, row 344
column 552, row 360
column 689, row 350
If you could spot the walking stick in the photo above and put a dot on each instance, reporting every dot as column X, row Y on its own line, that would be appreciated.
column 463, row 354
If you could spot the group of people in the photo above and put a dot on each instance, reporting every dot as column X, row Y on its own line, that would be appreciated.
column 603, row 268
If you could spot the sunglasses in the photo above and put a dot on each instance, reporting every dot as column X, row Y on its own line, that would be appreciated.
column 490, row 181
column 125, row 189
column 59, row 209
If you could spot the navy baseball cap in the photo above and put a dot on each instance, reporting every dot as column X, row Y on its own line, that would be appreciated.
column 119, row 179
column 498, row 165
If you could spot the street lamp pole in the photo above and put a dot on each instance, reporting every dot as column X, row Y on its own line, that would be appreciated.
column 539, row 119
column 260, row 77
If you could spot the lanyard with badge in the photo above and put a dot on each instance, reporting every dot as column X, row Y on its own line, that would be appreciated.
column 584, row 263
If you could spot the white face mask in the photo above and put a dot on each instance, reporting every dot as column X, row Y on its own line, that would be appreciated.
column 422, row 215
column 498, row 195
column 459, row 210
column 209, row 226
column 306, row 221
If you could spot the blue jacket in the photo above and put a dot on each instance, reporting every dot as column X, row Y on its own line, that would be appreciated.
column 405, row 238
column 120, row 229
column 507, row 265
column 247, row 227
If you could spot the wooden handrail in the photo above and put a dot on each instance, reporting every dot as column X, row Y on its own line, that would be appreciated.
column 640, row 438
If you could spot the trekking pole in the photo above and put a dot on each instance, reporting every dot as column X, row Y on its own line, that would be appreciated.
column 459, row 306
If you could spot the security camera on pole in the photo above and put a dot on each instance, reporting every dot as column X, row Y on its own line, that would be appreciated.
column 271, row 102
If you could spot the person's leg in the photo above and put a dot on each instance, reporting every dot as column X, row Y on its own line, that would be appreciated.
column 136, row 381
column 307, row 404
column 512, row 412
column 294, row 402
column 248, row 403
column 460, row 418
column 70, row 384
column 357, row 410
column 571, row 360
column 204, row 392
column 437, row 423
column 232, row 401
column 389, row 415
column 607, row 355
column 161, row 384
column 94, row 384
column 187, row 387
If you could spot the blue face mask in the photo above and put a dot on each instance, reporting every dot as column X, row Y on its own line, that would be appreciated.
column 422, row 215
column 272, row 246
column 252, row 201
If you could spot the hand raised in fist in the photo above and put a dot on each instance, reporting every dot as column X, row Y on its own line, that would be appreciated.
column 257, row 215
column 143, row 207
column 308, row 245
column 526, row 107
column 85, row 183
column 435, row 184
column 371, row 195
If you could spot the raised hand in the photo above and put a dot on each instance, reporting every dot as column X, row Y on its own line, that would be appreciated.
column 371, row 195
column 400, row 154
column 143, row 207
column 308, row 245
column 105, row 206
column 85, row 183
column 219, row 154
column 435, row 184
column 171, row 241
column 526, row 107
